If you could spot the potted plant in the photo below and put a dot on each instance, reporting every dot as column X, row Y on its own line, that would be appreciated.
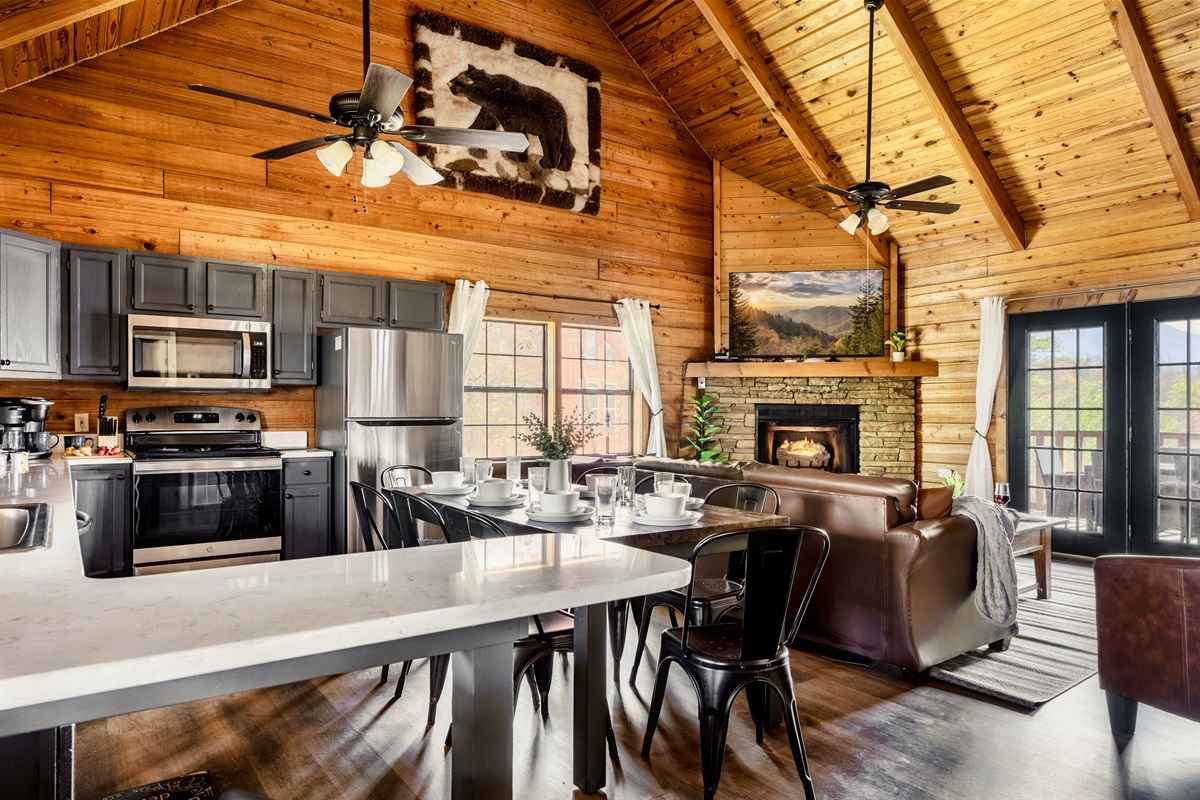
column 898, row 340
column 703, row 427
column 557, row 442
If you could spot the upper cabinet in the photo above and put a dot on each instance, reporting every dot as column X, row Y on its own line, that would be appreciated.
column 169, row 284
column 351, row 300
column 92, row 313
column 417, row 304
column 293, row 326
column 236, row 290
column 29, row 307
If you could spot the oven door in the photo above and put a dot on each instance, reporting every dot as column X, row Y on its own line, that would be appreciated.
column 205, row 509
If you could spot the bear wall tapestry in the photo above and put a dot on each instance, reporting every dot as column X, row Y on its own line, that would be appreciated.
column 469, row 77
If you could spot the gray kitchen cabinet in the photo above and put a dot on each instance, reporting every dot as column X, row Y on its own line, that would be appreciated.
column 235, row 290
column 30, row 307
column 352, row 300
column 293, row 326
column 306, row 491
column 417, row 304
column 170, row 284
column 92, row 311
column 103, row 492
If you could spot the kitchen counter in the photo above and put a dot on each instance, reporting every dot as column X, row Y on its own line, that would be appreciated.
column 74, row 648
column 311, row 452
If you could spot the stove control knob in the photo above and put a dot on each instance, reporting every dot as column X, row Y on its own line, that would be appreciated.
column 150, row 417
column 137, row 419
column 240, row 417
column 251, row 418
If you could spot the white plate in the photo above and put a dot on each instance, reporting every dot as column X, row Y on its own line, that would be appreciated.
column 584, row 492
column 452, row 491
column 535, row 513
column 686, row 518
column 694, row 503
column 508, row 502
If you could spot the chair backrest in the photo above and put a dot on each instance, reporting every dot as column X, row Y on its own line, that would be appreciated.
column 462, row 525
column 771, row 555
column 744, row 496
column 368, row 506
column 646, row 484
column 399, row 475
column 411, row 509
column 596, row 471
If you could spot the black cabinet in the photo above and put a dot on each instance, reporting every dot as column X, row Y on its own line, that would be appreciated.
column 293, row 326
column 417, row 304
column 102, row 492
column 235, row 290
column 29, row 307
column 92, row 313
column 352, row 300
column 168, row 284
column 306, row 531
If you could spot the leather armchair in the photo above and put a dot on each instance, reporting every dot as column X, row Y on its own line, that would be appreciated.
column 1148, row 636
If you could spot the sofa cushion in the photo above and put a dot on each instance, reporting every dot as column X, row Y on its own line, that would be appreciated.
column 934, row 501
column 900, row 493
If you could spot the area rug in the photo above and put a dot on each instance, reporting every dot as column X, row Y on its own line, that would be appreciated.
column 1054, row 649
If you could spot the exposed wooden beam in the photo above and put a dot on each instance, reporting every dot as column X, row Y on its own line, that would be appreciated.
column 916, row 56
column 22, row 21
column 1139, row 52
column 775, row 96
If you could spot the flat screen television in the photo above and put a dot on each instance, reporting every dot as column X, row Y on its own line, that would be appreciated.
column 806, row 313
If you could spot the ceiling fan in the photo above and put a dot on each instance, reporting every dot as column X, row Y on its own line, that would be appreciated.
column 371, row 113
column 870, row 196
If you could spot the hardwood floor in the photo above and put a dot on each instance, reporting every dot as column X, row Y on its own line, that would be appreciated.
column 869, row 735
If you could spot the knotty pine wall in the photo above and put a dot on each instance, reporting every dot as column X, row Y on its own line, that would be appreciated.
column 116, row 151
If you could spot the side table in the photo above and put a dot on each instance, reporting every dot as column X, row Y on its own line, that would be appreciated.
column 1033, row 538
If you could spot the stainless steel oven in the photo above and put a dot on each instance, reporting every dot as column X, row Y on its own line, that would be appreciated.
column 205, row 491
column 198, row 354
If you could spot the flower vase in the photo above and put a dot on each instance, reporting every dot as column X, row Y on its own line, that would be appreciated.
column 558, row 476
column 897, row 355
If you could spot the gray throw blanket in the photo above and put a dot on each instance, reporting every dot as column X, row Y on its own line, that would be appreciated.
column 995, row 570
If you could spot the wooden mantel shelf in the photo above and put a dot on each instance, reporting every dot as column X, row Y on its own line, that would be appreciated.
column 870, row 368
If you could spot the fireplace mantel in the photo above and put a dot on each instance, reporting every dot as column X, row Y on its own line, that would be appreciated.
column 867, row 368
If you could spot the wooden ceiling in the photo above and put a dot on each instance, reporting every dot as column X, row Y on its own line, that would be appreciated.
column 1046, row 114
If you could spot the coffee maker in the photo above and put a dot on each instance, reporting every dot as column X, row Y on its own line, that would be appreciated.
column 20, row 416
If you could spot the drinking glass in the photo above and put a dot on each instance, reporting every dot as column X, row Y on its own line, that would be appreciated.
column 1001, row 495
column 537, row 483
column 512, row 468
column 606, row 486
column 626, row 481
column 483, row 469
column 664, row 482
column 467, row 465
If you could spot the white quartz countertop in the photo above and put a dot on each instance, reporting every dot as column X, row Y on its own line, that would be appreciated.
column 63, row 635
column 308, row 452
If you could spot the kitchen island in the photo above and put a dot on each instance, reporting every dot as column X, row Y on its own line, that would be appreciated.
column 75, row 649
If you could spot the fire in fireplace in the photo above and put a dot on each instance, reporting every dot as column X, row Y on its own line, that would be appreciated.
column 808, row 435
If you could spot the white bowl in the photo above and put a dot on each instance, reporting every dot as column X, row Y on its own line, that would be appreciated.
column 559, row 502
column 665, row 505
column 447, row 480
column 494, row 489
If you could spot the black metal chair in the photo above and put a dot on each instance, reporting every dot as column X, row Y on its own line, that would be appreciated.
column 399, row 475
column 412, row 509
column 751, row 654
column 712, row 596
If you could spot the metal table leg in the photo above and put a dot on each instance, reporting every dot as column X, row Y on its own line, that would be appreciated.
column 482, row 758
column 591, row 697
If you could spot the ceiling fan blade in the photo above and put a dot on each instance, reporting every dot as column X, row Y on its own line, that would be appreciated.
column 919, row 205
column 833, row 190
column 414, row 168
column 928, row 184
column 466, row 137
column 383, row 87
column 806, row 211
column 258, row 101
column 296, row 147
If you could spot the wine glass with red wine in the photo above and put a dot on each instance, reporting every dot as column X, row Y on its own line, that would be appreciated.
column 1001, row 495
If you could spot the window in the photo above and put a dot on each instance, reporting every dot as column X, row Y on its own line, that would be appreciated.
column 512, row 373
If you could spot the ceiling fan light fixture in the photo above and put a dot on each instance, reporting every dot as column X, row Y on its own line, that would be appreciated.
column 850, row 224
column 372, row 176
column 877, row 221
column 387, row 161
column 335, row 157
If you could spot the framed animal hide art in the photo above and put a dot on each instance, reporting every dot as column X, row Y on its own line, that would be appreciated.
column 469, row 77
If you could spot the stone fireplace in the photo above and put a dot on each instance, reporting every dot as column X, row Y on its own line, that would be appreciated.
column 884, row 408
column 813, row 435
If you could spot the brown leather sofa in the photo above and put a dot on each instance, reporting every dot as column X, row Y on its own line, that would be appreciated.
column 898, row 585
column 1148, row 636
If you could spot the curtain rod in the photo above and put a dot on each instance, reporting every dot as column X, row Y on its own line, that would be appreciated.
column 1093, row 291
column 655, row 306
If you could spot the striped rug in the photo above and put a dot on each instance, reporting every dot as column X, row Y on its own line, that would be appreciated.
column 1054, row 649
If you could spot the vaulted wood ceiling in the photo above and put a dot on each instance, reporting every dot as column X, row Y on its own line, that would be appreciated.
column 1046, row 114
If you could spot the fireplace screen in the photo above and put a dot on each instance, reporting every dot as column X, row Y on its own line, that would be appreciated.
column 808, row 436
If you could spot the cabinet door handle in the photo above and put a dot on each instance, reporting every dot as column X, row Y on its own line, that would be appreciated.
column 121, row 477
column 276, row 371
column 287, row 497
column 212, row 308
column 116, row 368
column 379, row 319
column 191, row 306
column 4, row 362
column 308, row 472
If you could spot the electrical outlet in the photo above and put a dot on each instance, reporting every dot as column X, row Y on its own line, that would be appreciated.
column 81, row 423
column 701, row 383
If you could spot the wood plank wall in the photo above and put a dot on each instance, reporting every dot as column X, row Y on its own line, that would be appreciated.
column 117, row 152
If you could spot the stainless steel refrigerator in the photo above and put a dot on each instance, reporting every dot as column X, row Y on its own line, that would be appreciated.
column 386, row 397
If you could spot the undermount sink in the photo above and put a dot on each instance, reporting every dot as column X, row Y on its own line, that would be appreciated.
column 23, row 527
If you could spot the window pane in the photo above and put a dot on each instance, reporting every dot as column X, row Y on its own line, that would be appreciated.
column 1173, row 386
column 1039, row 349
column 570, row 342
column 571, row 378
column 500, row 371
column 593, row 374
column 1064, row 347
column 1091, row 388
column 1091, row 347
column 1064, row 388
column 476, row 371
column 1039, row 388
column 500, row 337
column 531, row 340
column 474, row 441
column 530, row 404
column 501, row 440
column 1173, row 342
column 616, row 346
column 529, row 372
column 502, row 408
column 475, row 408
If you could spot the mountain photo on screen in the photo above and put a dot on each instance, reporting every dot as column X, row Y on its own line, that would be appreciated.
column 806, row 313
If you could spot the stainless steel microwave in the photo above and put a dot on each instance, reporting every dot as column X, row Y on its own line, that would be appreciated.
column 198, row 354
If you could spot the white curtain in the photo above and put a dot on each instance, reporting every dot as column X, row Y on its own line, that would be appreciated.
column 978, row 479
column 466, row 314
column 634, row 316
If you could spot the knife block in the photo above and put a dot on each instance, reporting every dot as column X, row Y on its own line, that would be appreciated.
column 107, row 435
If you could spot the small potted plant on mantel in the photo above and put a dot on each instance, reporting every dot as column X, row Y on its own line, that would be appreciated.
column 558, row 442
column 898, row 340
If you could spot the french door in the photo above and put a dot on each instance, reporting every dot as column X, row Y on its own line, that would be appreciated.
column 1104, row 425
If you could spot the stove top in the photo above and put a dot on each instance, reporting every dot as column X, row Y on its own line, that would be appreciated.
column 181, row 432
